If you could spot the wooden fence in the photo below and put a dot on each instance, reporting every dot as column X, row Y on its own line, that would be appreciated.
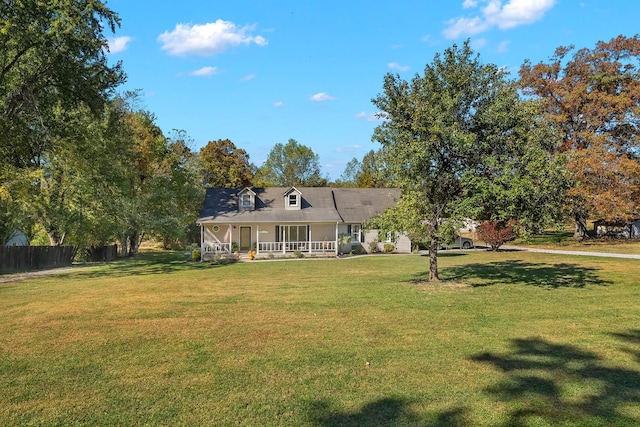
column 22, row 258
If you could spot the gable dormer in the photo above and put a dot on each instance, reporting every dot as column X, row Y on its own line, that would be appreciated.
column 293, row 199
column 246, row 200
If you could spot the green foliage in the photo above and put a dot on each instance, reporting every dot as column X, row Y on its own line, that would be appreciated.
column 450, row 134
column 289, row 165
column 366, row 174
column 298, row 254
column 196, row 254
column 389, row 248
column 53, row 56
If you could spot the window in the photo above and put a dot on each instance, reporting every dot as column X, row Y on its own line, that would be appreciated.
column 293, row 199
column 245, row 200
column 216, row 228
column 356, row 233
column 295, row 233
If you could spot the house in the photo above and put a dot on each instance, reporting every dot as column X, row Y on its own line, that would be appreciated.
column 17, row 238
column 282, row 220
column 619, row 229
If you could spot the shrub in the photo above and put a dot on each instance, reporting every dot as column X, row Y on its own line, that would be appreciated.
column 195, row 255
column 389, row 247
column 495, row 233
column 358, row 250
column 373, row 247
column 298, row 254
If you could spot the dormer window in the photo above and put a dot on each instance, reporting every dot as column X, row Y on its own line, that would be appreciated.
column 246, row 200
column 293, row 199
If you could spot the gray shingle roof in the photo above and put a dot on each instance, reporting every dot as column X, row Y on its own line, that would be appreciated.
column 319, row 204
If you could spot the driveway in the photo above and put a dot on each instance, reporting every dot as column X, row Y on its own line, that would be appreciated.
column 561, row 252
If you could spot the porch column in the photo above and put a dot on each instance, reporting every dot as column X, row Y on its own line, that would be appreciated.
column 257, row 239
column 337, row 250
column 309, row 237
column 284, row 244
column 201, row 242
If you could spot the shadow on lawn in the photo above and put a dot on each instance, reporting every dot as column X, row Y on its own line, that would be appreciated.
column 563, row 275
column 556, row 384
column 384, row 412
column 144, row 263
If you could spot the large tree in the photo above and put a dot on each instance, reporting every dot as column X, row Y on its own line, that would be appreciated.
column 592, row 98
column 367, row 173
column 52, row 54
column 448, row 134
column 291, row 164
column 224, row 165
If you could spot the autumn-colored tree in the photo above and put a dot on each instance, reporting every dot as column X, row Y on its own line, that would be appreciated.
column 224, row 165
column 592, row 98
column 495, row 233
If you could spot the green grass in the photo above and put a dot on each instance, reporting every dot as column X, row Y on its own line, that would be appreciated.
column 563, row 240
column 508, row 338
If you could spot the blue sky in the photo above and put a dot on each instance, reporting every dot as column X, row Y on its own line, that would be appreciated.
column 262, row 72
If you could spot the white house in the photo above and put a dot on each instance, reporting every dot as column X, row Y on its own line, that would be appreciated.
column 283, row 220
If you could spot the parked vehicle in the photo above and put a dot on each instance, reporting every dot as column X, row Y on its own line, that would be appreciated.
column 460, row 243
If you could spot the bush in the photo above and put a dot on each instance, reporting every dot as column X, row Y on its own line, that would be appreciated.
column 495, row 233
column 298, row 254
column 358, row 250
column 195, row 255
column 389, row 247
column 373, row 247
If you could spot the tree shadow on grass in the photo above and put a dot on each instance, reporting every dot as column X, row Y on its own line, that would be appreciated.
column 556, row 384
column 384, row 412
column 145, row 263
column 561, row 275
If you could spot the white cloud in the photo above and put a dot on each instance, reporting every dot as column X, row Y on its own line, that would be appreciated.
column 503, row 47
column 497, row 14
column 205, row 72
column 398, row 67
column 208, row 39
column 248, row 77
column 278, row 104
column 478, row 43
column 321, row 96
column 370, row 117
column 118, row 44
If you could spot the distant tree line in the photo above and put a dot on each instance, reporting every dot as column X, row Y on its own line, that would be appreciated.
column 84, row 165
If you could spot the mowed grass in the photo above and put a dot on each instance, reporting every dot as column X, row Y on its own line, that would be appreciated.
column 507, row 338
column 563, row 240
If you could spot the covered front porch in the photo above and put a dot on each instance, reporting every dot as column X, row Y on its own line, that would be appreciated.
column 271, row 239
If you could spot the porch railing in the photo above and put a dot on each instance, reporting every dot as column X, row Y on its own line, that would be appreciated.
column 214, row 248
column 278, row 247
column 310, row 247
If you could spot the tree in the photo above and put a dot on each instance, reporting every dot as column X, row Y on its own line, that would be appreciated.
column 291, row 164
column 592, row 99
column 364, row 174
column 224, row 165
column 52, row 54
column 448, row 134
column 495, row 233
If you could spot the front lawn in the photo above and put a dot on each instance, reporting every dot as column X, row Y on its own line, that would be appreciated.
column 508, row 338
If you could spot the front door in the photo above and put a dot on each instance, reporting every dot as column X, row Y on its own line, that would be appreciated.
column 245, row 238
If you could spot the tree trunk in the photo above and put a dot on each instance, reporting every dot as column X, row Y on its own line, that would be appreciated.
column 433, row 261
column 124, row 245
column 580, row 231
